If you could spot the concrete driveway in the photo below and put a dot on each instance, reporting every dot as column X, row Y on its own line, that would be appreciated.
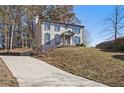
column 31, row 72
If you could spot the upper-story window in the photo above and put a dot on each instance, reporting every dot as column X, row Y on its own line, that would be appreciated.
column 57, row 39
column 47, row 26
column 76, row 40
column 57, row 27
column 1, row 25
column 66, row 26
column 76, row 30
column 47, row 38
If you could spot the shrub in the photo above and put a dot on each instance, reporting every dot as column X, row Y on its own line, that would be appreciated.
column 105, row 45
column 77, row 44
column 82, row 45
column 118, row 44
column 114, row 45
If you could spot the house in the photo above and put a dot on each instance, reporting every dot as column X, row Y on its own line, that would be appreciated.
column 50, row 35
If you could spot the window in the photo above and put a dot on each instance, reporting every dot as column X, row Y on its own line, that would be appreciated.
column 57, row 39
column 1, row 25
column 57, row 27
column 76, row 40
column 47, row 26
column 66, row 26
column 47, row 38
column 76, row 30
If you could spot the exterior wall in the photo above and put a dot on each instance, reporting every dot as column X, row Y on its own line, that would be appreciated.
column 52, row 33
column 79, row 35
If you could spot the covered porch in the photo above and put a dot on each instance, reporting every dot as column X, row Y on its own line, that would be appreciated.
column 67, row 38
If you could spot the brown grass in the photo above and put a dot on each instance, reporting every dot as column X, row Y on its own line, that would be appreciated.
column 6, row 77
column 91, row 63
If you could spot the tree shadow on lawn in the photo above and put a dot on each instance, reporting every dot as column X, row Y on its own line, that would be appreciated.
column 116, row 54
column 119, row 56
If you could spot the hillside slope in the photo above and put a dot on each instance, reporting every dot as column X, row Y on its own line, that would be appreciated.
column 88, row 62
column 6, row 77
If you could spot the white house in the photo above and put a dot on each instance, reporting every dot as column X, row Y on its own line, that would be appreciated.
column 50, row 35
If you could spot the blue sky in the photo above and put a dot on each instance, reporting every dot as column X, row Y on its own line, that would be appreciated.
column 92, row 17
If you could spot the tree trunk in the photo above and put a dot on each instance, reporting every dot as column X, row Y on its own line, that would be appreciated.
column 22, row 38
column 26, row 42
column 116, row 22
column 11, row 37
column 5, row 42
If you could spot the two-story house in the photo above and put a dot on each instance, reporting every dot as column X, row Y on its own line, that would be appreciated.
column 50, row 35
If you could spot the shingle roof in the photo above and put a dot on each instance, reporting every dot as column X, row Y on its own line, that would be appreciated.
column 63, row 23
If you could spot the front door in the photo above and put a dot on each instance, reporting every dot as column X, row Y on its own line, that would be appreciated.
column 67, row 40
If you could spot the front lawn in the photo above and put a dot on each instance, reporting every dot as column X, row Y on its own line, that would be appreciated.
column 90, row 63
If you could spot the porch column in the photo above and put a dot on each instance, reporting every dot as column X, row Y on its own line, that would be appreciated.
column 64, row 40
column 71, row 40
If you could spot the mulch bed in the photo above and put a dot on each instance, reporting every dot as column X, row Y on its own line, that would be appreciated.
column 15, row 52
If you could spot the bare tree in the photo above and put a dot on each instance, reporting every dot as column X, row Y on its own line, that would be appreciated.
column 116, row 21
column 18, row 22
column 4, row 13
column 86, row 38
